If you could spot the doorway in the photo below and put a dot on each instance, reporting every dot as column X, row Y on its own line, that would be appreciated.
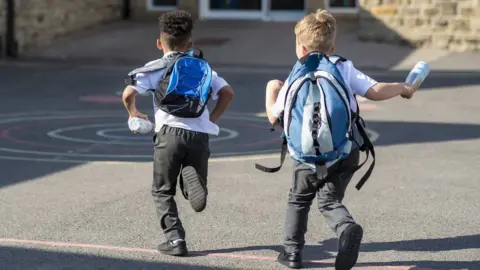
column 161, row 5
column 342, row 6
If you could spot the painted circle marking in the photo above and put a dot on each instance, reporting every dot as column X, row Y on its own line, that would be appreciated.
column 101, row 99
column 59, row 156
column 105, row 134
column 231, row 134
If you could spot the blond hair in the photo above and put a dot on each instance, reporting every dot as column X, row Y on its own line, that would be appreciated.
column 317, row 31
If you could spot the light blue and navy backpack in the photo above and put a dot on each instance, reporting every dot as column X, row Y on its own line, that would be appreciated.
column 185, row 88
column 319, row 126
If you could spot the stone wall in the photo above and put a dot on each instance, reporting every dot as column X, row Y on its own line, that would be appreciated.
column 38, row 22
column 444, row 24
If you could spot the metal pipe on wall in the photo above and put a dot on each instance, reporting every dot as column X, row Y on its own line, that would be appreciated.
column 11, row 48
column 126, row 9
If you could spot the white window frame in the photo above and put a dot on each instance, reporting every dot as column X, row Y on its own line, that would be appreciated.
column 265, row 13
column 348, row 10
column 152, row 7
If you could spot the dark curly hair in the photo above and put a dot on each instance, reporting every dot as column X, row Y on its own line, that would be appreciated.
column 176, row 28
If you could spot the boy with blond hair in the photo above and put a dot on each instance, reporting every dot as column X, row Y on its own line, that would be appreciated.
column 324, row 134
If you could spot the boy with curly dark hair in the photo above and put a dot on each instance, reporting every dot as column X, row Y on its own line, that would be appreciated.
column 181, row 83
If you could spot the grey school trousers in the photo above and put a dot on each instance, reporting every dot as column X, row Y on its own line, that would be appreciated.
column 329, row 197
column 175, row 148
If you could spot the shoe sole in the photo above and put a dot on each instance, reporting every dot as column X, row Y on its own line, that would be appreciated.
column 197, row 191
column 291, row 265
column 176, row 254
column 347, row 257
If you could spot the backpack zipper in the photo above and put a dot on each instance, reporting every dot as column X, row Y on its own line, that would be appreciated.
column 294, row 99
column 329, row 119
column 347, row 107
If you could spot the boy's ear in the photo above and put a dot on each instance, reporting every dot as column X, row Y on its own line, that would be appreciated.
column 304, row 50
column 159, row 45
column 332, row 50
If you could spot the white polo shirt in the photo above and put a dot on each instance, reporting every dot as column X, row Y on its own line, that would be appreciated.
column 148, row 81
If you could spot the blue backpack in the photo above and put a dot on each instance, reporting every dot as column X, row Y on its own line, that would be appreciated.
column 319, row 126
column 185, row 88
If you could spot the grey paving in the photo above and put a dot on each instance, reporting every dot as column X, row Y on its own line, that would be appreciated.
column 236, row 43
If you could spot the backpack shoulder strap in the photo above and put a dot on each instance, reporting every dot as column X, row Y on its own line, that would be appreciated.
column 336, row 58
column 156, row 65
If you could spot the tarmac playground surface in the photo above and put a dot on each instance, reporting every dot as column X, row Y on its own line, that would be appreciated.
column 75, row 184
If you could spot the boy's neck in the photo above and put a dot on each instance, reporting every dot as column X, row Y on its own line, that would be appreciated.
column 171, row 51
column 316, row 52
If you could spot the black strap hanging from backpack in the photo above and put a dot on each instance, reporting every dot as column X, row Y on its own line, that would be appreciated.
column 368, row 148
column 283, row 153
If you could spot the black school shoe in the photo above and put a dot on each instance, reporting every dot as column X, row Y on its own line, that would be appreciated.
column 174, row 249
column 290, row 260
column 195, row 189
column 349, row 247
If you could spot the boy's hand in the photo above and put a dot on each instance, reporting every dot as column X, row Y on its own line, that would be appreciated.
column 274, row 86
column 137, row 114
column 272, row 91
column 409, row 90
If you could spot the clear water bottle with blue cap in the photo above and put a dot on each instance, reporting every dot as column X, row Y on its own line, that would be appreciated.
column 418, row 74
column 139, row 125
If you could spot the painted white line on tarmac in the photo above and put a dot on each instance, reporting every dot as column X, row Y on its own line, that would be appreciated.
column 73, row 161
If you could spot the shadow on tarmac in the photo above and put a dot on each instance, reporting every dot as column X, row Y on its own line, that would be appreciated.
column 30, row 258
column 13, row 258
column 322, row 252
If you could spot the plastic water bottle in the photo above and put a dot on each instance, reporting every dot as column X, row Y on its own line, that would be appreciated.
column 418, row 74
column 139, row 125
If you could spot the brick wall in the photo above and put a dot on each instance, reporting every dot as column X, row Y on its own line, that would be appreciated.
column 38, row 22
column 444, row 24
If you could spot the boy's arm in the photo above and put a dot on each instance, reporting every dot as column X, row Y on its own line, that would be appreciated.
column 384, row 91
column 273, row 89
column 222, row 91
column 225, row 96
column 129, row 95
column 367, row 87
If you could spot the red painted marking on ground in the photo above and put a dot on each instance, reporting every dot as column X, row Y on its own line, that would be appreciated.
column 6, row 135
column 101, row 99
column 212, row 254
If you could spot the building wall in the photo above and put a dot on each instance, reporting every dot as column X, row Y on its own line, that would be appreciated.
column 444, row 24
column 38, row 22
